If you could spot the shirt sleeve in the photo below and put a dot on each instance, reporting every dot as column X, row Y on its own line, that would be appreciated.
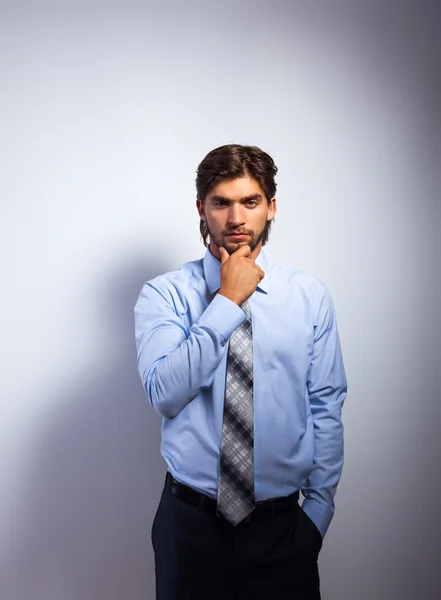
column 175, row 363
column 327, row 389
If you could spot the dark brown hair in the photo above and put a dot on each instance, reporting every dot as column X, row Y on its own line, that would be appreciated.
column 231, row 161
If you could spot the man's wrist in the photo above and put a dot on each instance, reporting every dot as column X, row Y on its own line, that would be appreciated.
column 230, row 296
column 222, row 314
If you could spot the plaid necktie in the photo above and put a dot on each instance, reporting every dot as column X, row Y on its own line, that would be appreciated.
column 236, row 479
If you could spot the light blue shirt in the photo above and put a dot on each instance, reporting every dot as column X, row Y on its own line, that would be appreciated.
column 182, row 328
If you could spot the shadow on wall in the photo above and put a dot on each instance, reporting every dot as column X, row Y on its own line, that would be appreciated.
column 95, row 473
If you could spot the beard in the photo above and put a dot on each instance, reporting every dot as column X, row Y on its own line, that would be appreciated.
column 230, row 247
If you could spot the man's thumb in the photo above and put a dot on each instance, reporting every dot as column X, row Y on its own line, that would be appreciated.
column 224, row 255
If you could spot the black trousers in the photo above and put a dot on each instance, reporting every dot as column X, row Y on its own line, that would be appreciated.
column 202, row 557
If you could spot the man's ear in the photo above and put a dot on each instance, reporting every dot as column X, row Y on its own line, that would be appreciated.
column 200, row 206
column 272, row 209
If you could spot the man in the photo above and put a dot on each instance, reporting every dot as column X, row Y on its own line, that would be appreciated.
column 242, row 359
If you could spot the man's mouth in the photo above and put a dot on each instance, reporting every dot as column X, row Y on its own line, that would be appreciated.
column 237, row 235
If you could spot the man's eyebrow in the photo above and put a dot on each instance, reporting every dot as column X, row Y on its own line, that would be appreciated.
column 217, row 198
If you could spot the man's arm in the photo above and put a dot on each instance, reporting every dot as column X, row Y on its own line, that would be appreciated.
column 175, row 364
column 327, row 388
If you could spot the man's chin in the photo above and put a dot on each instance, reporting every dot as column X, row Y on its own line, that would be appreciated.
column 231, row 247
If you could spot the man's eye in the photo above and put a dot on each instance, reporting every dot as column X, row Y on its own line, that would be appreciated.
column 251, row 203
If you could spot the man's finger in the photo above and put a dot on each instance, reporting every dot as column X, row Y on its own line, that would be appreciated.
column 224, row 255
column 243, row 250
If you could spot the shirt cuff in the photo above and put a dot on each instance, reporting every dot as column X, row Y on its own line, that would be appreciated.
column 321, row 514
column 224, row 315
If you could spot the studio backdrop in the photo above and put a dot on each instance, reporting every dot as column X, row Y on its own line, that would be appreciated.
column 106, row 109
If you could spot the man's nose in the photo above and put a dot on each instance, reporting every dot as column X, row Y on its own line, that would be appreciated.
column 236, row 215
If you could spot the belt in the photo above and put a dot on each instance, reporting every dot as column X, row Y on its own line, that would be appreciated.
column 263, row 510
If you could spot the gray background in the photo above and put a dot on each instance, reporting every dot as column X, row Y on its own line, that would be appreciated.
column 106, row 109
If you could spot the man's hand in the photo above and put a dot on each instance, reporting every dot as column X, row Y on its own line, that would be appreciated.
column 239, row 274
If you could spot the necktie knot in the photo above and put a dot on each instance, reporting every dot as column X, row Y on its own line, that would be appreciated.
column 245, row 306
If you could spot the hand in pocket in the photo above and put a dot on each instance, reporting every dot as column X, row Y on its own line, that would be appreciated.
column 308, row 539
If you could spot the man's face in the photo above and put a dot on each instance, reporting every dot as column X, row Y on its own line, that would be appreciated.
column 236, row 212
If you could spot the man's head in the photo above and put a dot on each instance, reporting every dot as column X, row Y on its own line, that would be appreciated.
column 236, row 195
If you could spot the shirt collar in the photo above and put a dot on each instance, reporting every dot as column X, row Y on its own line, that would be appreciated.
column 212, row 271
